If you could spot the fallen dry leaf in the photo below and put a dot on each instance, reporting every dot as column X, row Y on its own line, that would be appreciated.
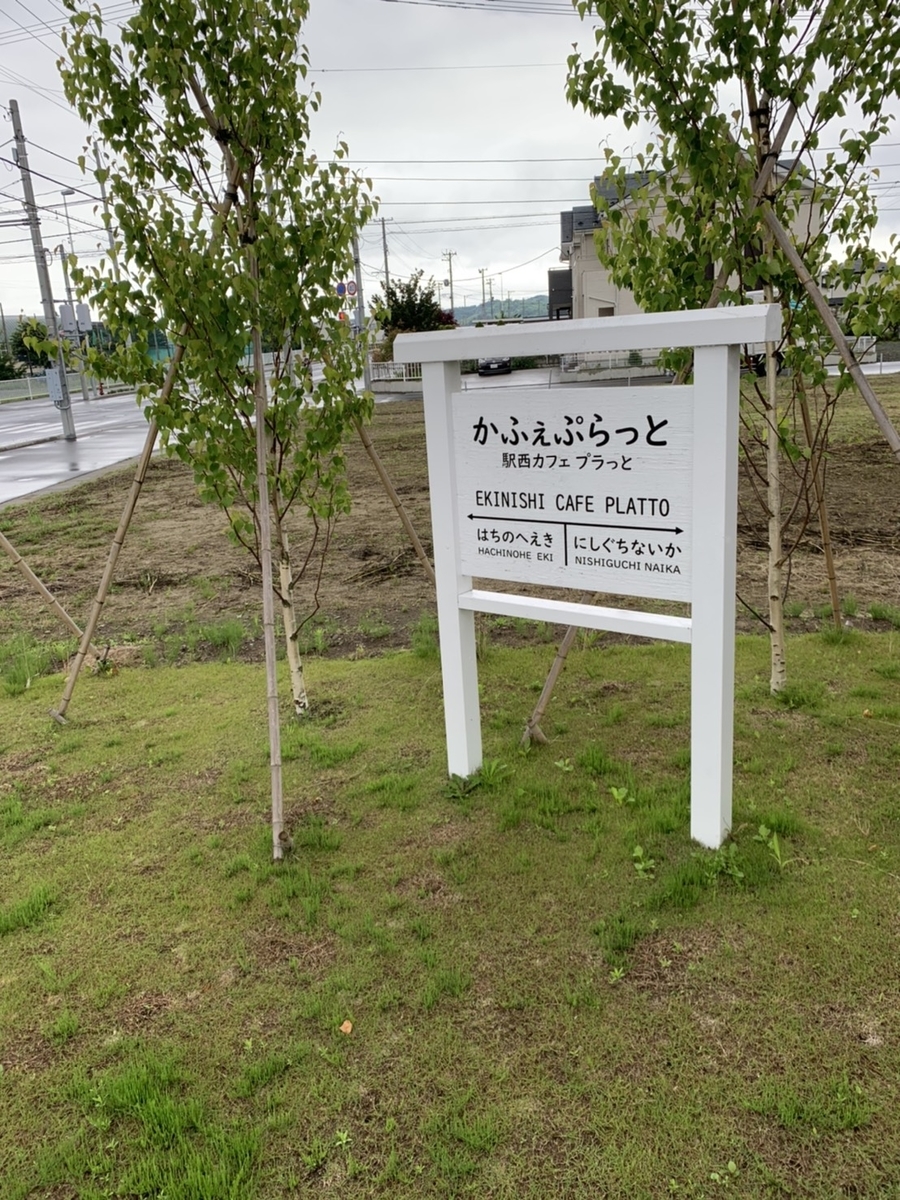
column 347, row 1027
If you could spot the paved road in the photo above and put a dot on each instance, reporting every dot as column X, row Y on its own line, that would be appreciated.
column 110, row 430
column 34, row 457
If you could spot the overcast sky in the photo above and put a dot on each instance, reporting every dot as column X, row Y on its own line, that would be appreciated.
column 458, row 115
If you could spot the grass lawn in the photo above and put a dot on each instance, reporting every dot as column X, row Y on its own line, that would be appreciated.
column 533, row 987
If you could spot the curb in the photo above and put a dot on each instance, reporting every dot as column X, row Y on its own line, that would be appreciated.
column 57, row 437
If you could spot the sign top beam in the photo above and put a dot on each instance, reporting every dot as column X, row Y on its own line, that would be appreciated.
column 645, row 331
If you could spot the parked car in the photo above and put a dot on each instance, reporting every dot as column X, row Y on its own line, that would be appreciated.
column 494, row 366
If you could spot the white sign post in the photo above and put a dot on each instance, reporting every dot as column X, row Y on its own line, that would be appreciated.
column 629, row 491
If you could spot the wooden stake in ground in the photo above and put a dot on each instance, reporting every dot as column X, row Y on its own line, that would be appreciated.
column 140, row 475
column 46, row 595
column 396, row 501
column 59, row 714
column 778, row 673
column 533, row 731
column 882, row 420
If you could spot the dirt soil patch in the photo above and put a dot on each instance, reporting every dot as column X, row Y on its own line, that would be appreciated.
column 179, row 576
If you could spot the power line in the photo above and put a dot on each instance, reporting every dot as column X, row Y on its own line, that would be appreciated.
column 50, row 179
column 9, row 37
column 453, row 67
column 30, row 32
column 532, row 7
column 44, row 93
column 457, row 203
column 40, row 20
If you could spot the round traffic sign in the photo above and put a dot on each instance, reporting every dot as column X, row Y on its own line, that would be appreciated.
column 342, row 289
column 351, row 288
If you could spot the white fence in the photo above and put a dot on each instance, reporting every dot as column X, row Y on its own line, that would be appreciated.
column 395, row 372
column 29, row 386
column 607, row 361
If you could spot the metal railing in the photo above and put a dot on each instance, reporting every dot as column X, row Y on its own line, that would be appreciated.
column 603, row 360
column 30, row 387
column 391, row 372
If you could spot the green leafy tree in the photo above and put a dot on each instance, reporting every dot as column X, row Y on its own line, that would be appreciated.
column 409, row 306
column 228, row 232
column 742, row 101
column 29, row 330
column 9, row 369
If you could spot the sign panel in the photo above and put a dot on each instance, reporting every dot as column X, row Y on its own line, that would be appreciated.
column 591, row 491
column 54, row 386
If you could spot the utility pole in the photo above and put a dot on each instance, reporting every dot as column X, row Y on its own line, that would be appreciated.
column 387, row 274
column 361, row 313
column 5, row 334
column 481, row 271
column 448, row 254
column 57, row 383
column 491, row 291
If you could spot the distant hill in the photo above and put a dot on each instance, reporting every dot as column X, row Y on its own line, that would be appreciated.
column 530, row 306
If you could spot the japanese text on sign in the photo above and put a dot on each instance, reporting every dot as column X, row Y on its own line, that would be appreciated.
column 593, row 492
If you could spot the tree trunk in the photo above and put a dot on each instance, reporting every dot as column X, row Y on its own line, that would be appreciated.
column 299, row 696
column 821, row 507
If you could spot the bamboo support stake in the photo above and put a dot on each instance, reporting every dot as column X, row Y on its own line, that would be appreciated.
column 140, row 474
column 778, row 676
column 46, row 595
column 138, row 483
column 762, row 181
column 783, row 238
column 533, row 731
column 59, row 714
column 268, row 591
column 395, row 500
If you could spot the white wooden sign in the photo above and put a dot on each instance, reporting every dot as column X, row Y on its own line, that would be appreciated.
column 675, row 449
column 593, row 491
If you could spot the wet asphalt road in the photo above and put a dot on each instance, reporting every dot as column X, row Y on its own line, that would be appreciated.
column 111, row 430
